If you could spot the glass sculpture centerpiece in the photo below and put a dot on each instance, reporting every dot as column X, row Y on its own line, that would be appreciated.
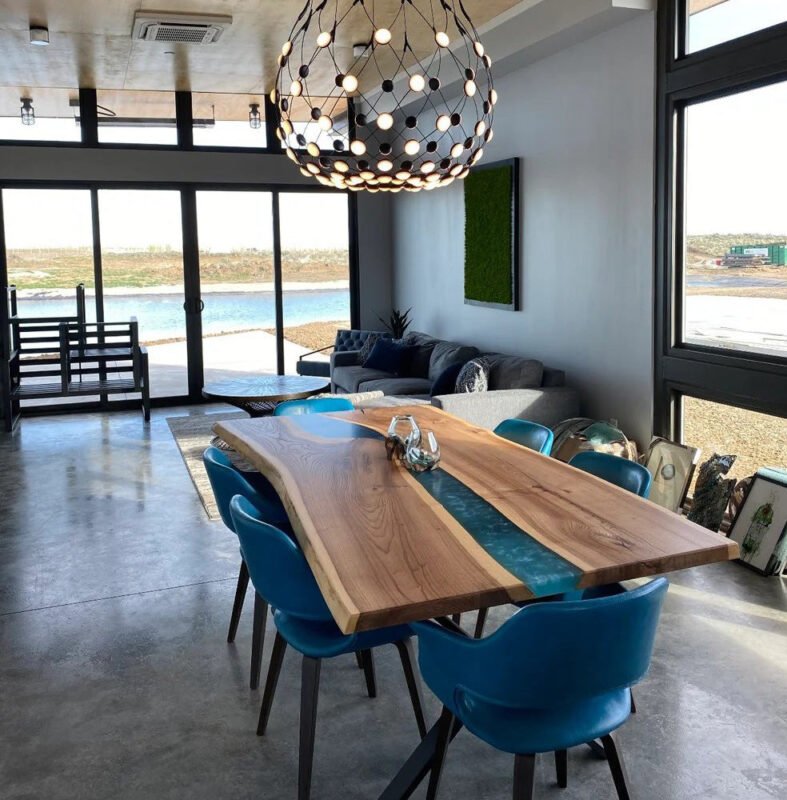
column 389, row 95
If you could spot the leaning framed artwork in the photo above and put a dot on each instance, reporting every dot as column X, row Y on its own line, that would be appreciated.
column 760, row 527
column 672, row 466
column 492, row 235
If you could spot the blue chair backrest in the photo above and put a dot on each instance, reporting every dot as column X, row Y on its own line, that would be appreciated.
column 318, row 405
column 620, row 471
column 277, row 567
column 549, row 654
column 528, row 434
column 226, row 482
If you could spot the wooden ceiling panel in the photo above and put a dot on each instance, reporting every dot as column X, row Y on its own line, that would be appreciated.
column 91, row 44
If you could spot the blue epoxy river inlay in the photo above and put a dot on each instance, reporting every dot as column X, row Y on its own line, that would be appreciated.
column 542, row 571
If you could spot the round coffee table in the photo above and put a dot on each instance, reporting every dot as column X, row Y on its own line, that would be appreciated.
column 258, row 395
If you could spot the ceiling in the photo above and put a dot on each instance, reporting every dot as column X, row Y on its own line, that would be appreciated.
column 91, row 44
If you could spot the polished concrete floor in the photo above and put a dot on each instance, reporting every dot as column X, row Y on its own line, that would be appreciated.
column 116, row 680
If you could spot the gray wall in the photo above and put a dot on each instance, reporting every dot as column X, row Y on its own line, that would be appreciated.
column 582, row 122
column 135, row 165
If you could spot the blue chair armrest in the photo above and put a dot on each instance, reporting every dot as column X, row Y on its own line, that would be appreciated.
column 345, row 358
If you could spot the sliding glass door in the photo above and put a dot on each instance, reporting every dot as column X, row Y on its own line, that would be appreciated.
column 315, row 265
column 142, row 266
column 235, row 233
column 198, row 269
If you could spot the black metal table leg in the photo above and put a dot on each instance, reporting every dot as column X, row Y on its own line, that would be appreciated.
column 418, row 765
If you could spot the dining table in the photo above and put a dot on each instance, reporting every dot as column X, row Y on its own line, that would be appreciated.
column 493, row 523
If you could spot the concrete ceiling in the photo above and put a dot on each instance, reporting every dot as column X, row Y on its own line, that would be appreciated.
column 91, row 44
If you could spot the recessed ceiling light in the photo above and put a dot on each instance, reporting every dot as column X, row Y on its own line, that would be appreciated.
column 39, row 35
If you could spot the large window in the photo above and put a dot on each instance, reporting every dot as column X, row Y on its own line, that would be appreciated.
column 236, row 278
column 315, row 272
column 712, row 22
column 228, row 120
column 49, row 250
column 721, row 265
column 42, row 115
column 137, row 117
column 142, row 263
column 735, row 277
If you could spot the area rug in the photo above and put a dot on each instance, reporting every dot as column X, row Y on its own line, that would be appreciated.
column 193, row 434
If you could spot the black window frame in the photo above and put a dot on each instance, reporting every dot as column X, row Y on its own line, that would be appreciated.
column 749, row 380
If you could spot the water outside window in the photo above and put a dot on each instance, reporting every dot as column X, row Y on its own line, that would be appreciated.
column 735, row 282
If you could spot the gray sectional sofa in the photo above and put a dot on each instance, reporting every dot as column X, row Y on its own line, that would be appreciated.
column 518, row 386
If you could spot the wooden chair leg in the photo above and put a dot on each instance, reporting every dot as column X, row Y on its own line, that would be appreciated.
column 445, row 724
column 240, row 596
column 616, row 766
column 257, row 639
column 310, row 686
column 480, row 622
column 277, row 657
column 367, row 660
column 524, row 777
column 407, row 656
column 561, row 768
column 456, row 619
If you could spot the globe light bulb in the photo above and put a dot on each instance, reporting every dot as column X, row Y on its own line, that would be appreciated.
column 411, row 147
column 349, row 83
column 357, row 147
column 385, row 121
column 325, row 122
column 417, row 83
column 385, row 165
column 296, row 88
column 441, row 37
column 443, row 123
column 324, row 39
column 382, row 36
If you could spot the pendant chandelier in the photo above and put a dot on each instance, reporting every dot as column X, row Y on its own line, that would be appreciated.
column 384, row 95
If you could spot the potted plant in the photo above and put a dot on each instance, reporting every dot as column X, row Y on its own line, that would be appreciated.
column 397, row 323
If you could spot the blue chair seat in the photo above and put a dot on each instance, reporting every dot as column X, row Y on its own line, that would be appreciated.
column 323, row 639
column 514, row 730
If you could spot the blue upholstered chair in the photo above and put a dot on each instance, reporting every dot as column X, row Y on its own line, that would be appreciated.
column 554, row 676
column 528, row 434
column 281, row 574
column 316, row 405
column 226, row 482
column 620, row 471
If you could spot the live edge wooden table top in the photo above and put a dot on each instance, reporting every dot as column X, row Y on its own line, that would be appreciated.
column 494, row 523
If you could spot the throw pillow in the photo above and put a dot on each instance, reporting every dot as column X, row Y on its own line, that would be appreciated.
column 366, row 348
column 389, row 356
column 474, row 376
column 446, row 381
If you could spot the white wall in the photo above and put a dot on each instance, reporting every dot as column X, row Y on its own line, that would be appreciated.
column 582, row 121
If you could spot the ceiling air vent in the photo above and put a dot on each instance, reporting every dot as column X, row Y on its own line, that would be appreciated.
column 156, row 26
